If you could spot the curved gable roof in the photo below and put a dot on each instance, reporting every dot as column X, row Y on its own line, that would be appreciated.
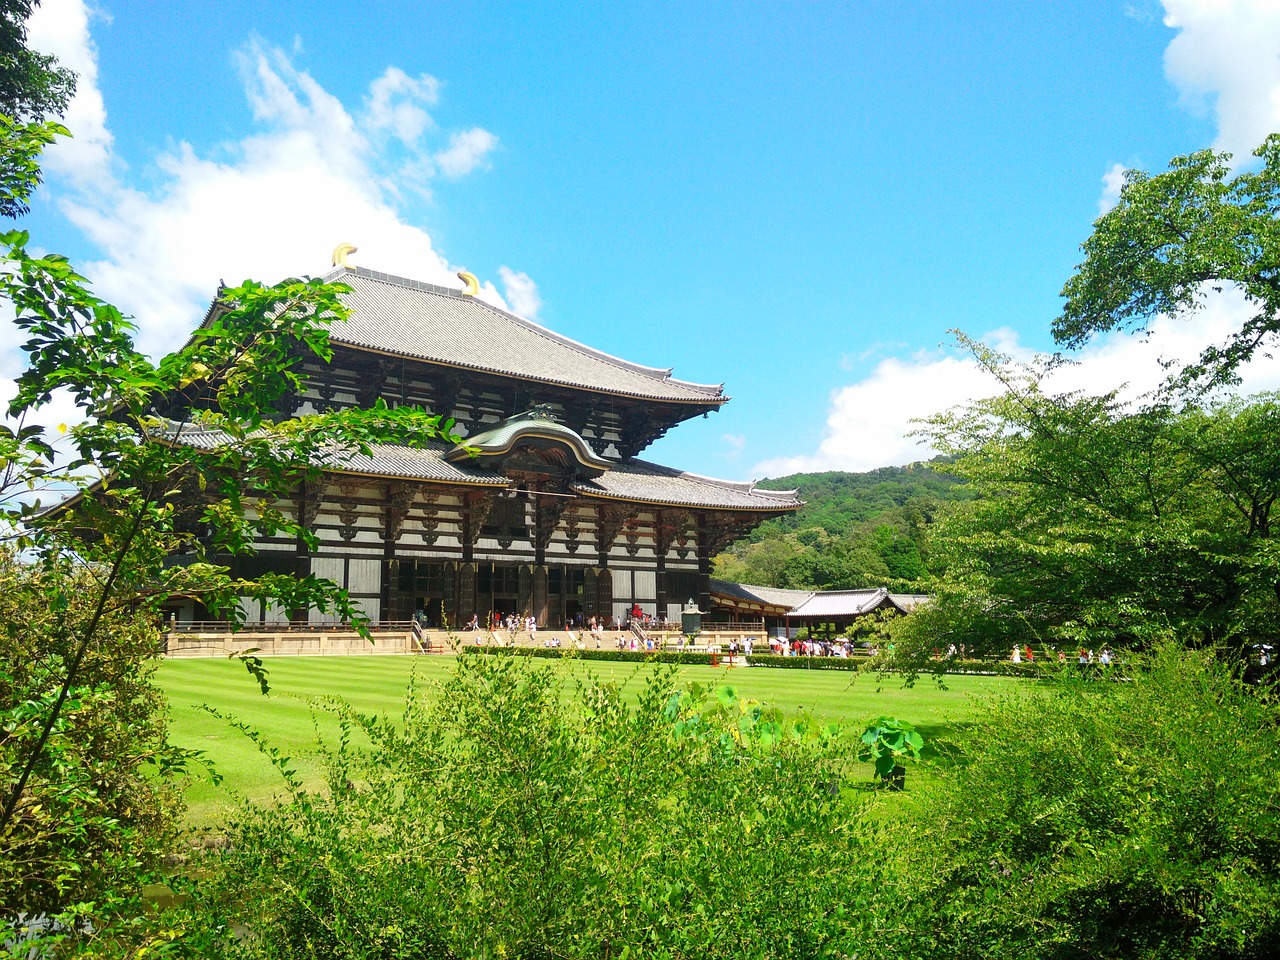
column 534, row 428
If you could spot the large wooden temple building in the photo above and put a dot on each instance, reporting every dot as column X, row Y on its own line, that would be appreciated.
column 547, row 509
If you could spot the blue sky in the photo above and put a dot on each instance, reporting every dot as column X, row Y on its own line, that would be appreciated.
column 798, row 200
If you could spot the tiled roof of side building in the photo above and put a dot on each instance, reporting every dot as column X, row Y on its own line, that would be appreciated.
column 840, row 603
column 907, row 602
column 639, row 480
column 770, row 596
column 440, row 325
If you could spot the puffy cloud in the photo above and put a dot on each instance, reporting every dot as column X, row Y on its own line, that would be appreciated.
column 521, row 292
column 869, row 421
column 311, row 175
column 395, row 104
column 1228, row 51
column 61, row 27
column 467, row 150
column 1112, row 181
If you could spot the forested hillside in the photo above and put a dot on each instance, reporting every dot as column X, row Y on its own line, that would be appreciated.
column 855, row 530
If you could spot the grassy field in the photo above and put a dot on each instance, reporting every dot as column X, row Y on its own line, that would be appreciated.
column 377, row 684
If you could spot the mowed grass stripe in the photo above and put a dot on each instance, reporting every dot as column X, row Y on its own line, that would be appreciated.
column 378, row 685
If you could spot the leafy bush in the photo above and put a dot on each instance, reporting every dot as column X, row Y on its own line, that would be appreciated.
column 1131, row 819
column 886, row 742
column 510, row 816
column 94, row 813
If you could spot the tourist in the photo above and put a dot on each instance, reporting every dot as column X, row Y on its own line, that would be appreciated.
column 1017, row 655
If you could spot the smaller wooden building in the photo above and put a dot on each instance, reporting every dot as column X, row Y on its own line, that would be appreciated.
column 822, row 612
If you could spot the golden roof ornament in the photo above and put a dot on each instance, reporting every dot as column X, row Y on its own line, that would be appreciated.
column 341, row 252
column 472, row 284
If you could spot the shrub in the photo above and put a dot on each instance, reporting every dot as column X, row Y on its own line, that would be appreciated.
column 1130, row 819
column 511, row 816
column 94, row 813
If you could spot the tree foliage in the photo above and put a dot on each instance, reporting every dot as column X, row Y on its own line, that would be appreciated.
column 177, row 468
column 855, row 530
column 32, row 85
column 1104, row 522
column 1171, row 239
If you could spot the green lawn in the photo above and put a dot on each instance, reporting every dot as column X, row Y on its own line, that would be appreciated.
column 377, row 684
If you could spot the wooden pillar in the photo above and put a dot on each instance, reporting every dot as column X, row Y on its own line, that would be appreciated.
column 310, row 496
column 704, row 563
column 524, row 598
column 539, row 541
column 604, row 592
column 661, row 544
column 539, row 601
column 397, row 502
column 467, row 596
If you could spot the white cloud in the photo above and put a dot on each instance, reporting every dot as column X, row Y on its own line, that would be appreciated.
column 737, row 443
column 1112, row 181
column 395, row 104
column 467, row 150
column 521, row 292
column 311, row 175
column 1228, row 52
column 869, row 421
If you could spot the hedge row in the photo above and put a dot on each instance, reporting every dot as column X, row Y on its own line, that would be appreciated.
column 804, row 663
column 997, row 668
column 1004, row 668
column 625, row 656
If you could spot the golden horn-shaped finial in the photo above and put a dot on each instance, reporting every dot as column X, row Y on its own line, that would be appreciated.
column 340, row 253
column 472, row 284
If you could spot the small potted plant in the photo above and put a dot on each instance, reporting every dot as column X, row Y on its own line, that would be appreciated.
column 887, row 741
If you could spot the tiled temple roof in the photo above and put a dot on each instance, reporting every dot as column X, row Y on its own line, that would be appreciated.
column 632, row 481
column 440, row 325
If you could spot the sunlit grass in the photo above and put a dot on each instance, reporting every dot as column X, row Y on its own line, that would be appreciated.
column 378, row 685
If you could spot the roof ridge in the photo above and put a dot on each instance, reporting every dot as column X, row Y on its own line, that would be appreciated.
column 654, row 373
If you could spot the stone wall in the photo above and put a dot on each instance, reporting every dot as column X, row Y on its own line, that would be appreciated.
column 313, row 643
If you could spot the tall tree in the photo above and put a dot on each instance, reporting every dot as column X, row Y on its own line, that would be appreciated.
column 32, row 85
column 1171, row 240
column 1105, row 522
column 182, row 458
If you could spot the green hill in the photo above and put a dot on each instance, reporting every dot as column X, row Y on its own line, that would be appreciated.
column 855, row 530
